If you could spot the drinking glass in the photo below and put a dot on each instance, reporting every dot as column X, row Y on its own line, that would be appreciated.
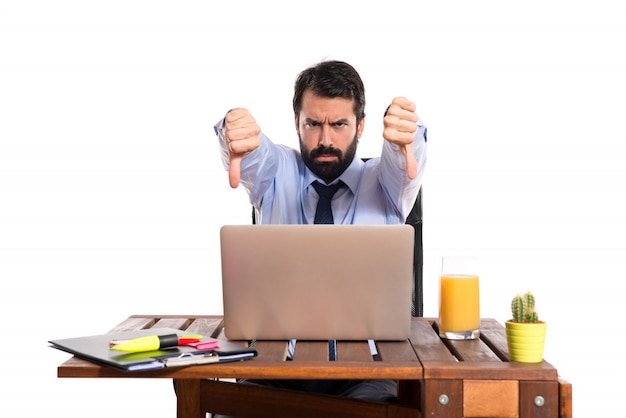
column 459, row 299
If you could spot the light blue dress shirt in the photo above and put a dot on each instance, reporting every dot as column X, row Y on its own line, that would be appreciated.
column 279, row 184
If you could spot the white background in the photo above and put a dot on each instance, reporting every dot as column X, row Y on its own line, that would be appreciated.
column 112, row 192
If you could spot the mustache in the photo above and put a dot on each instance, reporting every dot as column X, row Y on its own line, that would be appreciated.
column 322, row 150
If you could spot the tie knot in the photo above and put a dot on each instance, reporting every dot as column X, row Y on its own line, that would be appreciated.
column 326, row 191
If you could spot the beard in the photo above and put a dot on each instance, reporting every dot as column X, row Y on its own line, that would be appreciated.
column 328, row 171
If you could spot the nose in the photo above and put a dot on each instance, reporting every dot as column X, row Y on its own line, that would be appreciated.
column 325, row 137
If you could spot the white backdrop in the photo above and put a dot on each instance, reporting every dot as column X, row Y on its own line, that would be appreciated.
column 112, row 192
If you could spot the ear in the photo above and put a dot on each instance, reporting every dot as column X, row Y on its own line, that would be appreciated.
column 359, row 129
column 297, row 120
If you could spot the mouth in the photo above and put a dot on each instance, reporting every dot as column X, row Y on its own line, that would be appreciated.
column 326, row 158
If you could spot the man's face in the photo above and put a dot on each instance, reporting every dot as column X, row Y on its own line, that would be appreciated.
column 328, row 134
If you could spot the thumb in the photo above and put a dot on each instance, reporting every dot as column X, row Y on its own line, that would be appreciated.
column 411, row 162
column 234, row 170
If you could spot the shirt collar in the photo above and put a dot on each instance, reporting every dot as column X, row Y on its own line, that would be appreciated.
column 350, row 176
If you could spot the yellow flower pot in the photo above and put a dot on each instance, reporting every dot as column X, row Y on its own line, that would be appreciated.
column 526, row 341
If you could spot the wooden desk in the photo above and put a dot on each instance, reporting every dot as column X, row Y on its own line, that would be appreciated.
column 439, row 378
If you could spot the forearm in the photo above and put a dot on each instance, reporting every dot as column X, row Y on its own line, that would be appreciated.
column 399, row 188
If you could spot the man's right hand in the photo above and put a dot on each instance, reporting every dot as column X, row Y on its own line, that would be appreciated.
column 242, row 135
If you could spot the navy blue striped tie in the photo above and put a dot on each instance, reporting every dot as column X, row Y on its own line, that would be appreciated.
column 324, row 215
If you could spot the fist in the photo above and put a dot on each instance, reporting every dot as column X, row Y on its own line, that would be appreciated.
column 400, row 125
column 400, row 122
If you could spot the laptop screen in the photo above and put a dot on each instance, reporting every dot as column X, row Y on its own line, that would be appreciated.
column 317, row 282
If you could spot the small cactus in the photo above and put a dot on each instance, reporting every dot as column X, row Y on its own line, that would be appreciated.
column 523, row 308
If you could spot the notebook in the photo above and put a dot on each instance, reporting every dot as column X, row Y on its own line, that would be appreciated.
column 317, row 282
column 95, row 348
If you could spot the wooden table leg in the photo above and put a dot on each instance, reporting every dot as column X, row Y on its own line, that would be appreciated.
column 565, row 399
column 442, row 398
column 188, row 399
column 539, row 399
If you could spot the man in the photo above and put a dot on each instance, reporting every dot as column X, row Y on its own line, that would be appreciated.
column 285, row 185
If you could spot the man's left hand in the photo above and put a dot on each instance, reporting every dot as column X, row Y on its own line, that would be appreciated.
column 400, row 125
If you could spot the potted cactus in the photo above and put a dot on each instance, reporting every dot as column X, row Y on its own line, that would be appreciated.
column 525, row 333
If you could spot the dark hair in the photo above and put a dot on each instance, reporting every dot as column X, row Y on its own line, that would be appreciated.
column 331, row 79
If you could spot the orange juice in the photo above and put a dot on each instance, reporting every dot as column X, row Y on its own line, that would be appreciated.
column 459, row 303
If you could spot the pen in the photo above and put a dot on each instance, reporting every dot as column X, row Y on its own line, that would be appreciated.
column 188, row 359
column 152, row 342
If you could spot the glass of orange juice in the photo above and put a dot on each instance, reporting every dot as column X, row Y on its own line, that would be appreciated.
column 459, row 299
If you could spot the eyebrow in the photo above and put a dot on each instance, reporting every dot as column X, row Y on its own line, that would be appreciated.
column 333, row 123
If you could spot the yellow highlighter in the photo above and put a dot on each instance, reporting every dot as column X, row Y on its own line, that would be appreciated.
column 152, row 343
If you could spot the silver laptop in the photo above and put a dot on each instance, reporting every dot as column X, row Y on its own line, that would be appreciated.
column 317, row 282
